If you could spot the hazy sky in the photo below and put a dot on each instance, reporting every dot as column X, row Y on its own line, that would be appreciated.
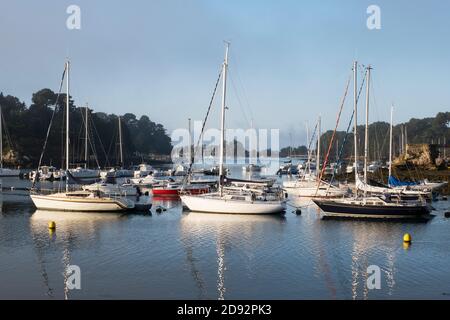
column 289, row 60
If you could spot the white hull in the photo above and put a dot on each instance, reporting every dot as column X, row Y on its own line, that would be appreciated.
column 107, row 188
column 395, row 190
column 120, row 173
column 220, row 205
column 85, row 173
column 62, row 202
column 312, row 192
column 5, row 172
column 309, row 189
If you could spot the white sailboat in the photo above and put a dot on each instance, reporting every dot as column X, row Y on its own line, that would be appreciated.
column 77, row 200
column 235, row 200
column 308, row 185
column 80, row 172
column 403, row 192
column 5, row 172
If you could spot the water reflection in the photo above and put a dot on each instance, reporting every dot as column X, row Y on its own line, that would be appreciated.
column 72, row 230
column 166, row 202
column 226, row 231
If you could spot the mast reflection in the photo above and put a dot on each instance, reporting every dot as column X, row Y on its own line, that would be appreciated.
column 72, row 229
column 226, row 231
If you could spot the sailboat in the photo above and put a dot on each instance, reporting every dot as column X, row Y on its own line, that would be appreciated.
column 80, row 172
column 77, row 200
column 402, row 192
column 118, row 172
column 308, row 185
column 370, row 206
column 5, row 172
column 252, row 199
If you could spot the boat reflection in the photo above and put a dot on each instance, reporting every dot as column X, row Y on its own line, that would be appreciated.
column 226, row 231
column 166, row 202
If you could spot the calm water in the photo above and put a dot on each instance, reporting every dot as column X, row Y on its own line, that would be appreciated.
column 180, row 255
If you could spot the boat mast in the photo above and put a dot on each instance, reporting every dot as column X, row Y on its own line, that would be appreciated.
column 308, row 151
column 355, row 111
column 222, row 128
column 191, row 156
column 67, row 120
column 318, row 149
column 390, row 143
column 366, row 135
column 86, row 139
column 120, row 144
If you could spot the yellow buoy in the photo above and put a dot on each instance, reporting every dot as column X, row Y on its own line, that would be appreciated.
column 407, row 238
column 52, row 225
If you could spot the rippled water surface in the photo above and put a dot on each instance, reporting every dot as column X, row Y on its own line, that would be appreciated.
column 177, row 254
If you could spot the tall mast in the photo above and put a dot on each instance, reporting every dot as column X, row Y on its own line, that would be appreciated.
column 120, row 143
column 318, row 148
column 402, row 139
column 390, row 143
column 191, row 156
column 67, row 120
column 366, row 135
column 222, row 127
column 308, row 151
column 355, row 111
column 290, row 145
column 406, row 136
column 86, row 138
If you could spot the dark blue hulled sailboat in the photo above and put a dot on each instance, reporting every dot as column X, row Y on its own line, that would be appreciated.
column 384, row 206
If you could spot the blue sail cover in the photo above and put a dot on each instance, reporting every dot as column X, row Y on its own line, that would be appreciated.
column 394, row 182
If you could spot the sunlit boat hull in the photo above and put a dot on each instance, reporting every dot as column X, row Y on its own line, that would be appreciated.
column 311, row 192
column 219, row 205
column 309, row 189
column 61, row 202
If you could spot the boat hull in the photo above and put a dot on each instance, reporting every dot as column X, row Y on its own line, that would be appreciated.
column 371, row 211
column 112, row 189
column 313, row 192
column 85, row 173
column 165, row 192
column 177, row 191
column 4, row 172
column 211, row 205
column 57, row 203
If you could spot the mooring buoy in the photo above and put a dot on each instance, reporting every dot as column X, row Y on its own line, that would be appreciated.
column 52, row 225
column 407, row 238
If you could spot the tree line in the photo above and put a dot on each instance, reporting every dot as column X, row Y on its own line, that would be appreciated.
column 433, row 130
column 25, row 130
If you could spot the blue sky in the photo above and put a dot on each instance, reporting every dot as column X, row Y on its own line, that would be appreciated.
column 289, row 60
